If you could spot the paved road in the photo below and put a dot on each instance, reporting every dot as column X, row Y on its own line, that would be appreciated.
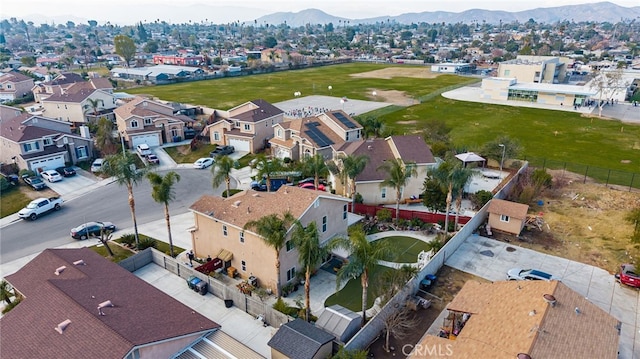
column 108, row 203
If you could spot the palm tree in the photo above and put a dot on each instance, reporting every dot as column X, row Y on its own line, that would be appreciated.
column 364, row 255
column 162, row 192
column 104, row 137
column 123, row 168
column 354, row 165
column 267, row 167
column 273, row 230
column 443, row 174
column 93, row 104
column 5, row 291
column 317, row 166
column 461, row 176
column 307, row 241
column 399, row 174
column 222, row 172
column 336, row 168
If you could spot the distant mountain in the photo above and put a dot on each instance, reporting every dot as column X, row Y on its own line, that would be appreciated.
column 295, row 19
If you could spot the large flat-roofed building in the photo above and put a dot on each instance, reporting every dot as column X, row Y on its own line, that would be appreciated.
column 537, row 69
column 509, row 89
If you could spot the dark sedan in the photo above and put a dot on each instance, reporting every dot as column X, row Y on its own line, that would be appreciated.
column 66, row 171
column 91, row 229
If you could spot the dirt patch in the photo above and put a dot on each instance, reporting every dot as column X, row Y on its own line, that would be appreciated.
column 395, row 97
column 32, row 194
column 391, row 72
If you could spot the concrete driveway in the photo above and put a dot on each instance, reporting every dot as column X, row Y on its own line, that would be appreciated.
column 76, row 185
column 490, row 259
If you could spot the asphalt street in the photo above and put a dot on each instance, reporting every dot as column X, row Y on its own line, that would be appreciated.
column 105, row 203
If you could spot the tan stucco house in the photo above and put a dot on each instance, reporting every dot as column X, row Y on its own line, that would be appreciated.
column 247, row 127
column 506, row 216
column 14, row 85
column 219, row 229
column 74, row 105
column 64, row 81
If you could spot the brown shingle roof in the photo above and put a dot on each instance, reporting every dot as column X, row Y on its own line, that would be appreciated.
column 261, row 110
column 378, row 151
column 75, row 96
column 14, row 130
column 412, row 149
column 508, row 208
column 141, row 313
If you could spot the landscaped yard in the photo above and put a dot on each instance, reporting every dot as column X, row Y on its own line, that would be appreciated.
column 119, row 252
column 409, row 248
column 351, row 295
column 184, row 154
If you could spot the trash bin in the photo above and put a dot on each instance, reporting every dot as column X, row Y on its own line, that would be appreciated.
column 202, row 287
column 177, row 138
column 192, row 281
column 228, row 303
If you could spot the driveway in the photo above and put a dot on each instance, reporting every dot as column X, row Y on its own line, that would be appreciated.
column 490, row 259
column 74, row 186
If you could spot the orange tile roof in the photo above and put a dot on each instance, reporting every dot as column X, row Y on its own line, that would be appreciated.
column 508, row 208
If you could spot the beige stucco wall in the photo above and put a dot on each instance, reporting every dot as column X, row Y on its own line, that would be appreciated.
column 513, row 226
column 75, row 112
column 496, row 88
column 372, row 192
column 556, row 99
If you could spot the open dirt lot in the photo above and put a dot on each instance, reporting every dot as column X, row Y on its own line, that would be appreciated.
column 399, row 98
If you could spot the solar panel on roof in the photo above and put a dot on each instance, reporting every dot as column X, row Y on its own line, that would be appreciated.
column 316, row 135
column 345, row 121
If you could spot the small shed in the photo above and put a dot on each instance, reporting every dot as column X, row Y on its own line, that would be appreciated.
column 340, row 322
column 301, row 340
column 470, row 157
column 506, row 216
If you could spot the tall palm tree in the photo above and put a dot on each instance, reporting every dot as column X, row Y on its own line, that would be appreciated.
column 398, row 175
column 317, row 166
column 162, row 192
column 444, row 175
column 221, row 170
column 266, row 167
column 273, row 230
column 123, row 169
column 93, row 104
column 353, row 166
column 364, row 255
column 336, row 168
column 461, row 176
column 307, row 242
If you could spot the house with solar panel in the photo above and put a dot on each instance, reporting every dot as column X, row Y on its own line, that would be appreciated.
column 322, row 134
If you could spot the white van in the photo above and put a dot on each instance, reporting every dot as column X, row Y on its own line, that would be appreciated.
column 143, row 149
column 96, row 166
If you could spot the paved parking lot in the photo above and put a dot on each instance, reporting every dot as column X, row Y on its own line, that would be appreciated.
column 491, row 259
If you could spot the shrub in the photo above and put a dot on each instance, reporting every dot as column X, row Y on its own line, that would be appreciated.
column 145, row 243
column 480, row 198
column 128, row 239
column 359, row 198
column 280, row 306
column 384, row 215
column 26, row 172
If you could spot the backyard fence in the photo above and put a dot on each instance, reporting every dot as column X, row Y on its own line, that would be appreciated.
column 605, row 176
column 223, row 288
column 427, row 217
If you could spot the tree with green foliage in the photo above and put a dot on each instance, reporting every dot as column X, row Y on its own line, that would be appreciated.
column 350, row 354
column 310, row 253
column 316, row 166
column 94, row 105
column 123, row 168
column 493, row 150
column 163, row 192
column 104, row 139
column 273, row 229
column 266, row 167
column 371, row 126
column 433, row 195
column 353, row 166
column 363, row 257
column 5, row 291
column 633, row 217
column 445, row 175
column 221, row 170
column 28, row 61
column 461, row 177
column 398, row 176
column 270, row 42
column 125, row 47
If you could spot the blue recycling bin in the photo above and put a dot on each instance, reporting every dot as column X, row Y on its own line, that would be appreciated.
column 192, row 281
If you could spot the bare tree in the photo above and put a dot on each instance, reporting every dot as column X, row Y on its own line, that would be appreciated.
column 607, row 83
column 399, row 323
column 104, row 238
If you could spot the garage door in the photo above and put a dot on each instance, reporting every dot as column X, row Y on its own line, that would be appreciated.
column 152, row 140
column 240, row 145
column 50, row 163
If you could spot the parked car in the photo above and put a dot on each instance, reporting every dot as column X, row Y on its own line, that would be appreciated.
column 308, row 185
column 203, row 162
column 91, row 229
column 12, row 179
column 222, row 151
column 528, row 274
column 312, row 181
column 276, row 183
column 96, row 166
column 66, row 171
column 35, row 182
column 628, row 275
column 40, row 206
column 143, row 150
column 153, row 159
column 51, row 176
column 189, row 133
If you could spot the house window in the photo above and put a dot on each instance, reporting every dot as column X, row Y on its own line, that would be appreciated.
column 289, row 245
column 224, row 231
column 216, row 136
column 347, row 139
column 241, row 237
column 324, row 224
column 174, row 132
column 244, row 266
column 237, row 124
column 47, row 141
column 81, row 152
column 291, row 273
column 147, row 121
column 507, row 73
column 279, row 133
column 8, row 86
column 65, row 107
column 344, row 211
column 383, row 193
column 134, row 123
column 504, row 218
column 247, row 127
column 358, row 134
column 32, row 146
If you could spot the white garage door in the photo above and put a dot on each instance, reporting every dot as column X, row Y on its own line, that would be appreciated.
column 153, row 140
column 240, row 145
column 50, row 163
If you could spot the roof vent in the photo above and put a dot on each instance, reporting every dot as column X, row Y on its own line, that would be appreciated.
column 62, row 326
column 532, row 313
column 106, row 303
column 256, row 194
column 60, row 270
column 550, row 299
column 523, row 356
column 237, row 203
column 248, row 209
column 79, row 262
column 369, row 147
column 210, row 213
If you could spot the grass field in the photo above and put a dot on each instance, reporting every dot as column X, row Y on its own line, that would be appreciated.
column 351, row 295
column 410, row 248
column 183, row 154
column 12, row 201
column 554, row 135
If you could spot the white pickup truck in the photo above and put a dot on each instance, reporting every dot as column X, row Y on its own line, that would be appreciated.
column 40, row 206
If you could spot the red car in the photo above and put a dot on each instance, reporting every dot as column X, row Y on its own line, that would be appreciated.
column 312, row 186
column 629, row 276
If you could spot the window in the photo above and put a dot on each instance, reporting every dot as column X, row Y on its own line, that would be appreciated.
column 147, row 121
column 291, row 273
column 216, row 136
column 504, row 218
column 279, row 132
column 224, row 230
column 174, row 132
column 47, row 141
column 244, row 266
column 383, row 193
column 241, row 237
column 324, row 224
column 237, row 124
column 507, row 73
column 289, row 245
column 247, row 127
column 358, row 134
column 8, row 86
column 81, row 152
column 32, row 146
column 347, row 139
column 134, row 123
column 344, row 212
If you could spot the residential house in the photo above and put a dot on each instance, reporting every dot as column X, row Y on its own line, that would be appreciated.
column 511, row 319
column 301, row 340
column 411, row 149
column 62, row 82
column 77, row 304
column 306, row 137
column 40, row 143
column 507, row 216
column 247, row 127
column 219, row 229
column 14, row 86
column 76, row 104
column 146, row 121
column 181, row 60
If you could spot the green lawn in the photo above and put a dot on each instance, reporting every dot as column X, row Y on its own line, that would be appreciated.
column 411, row 247
column 351, row 295
column 119, row 252
column 12, row 201
column 183, row 154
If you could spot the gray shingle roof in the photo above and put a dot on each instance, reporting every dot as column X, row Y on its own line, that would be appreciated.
column 299, row 339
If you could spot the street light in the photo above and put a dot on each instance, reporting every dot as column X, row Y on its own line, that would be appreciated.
column 502, row 159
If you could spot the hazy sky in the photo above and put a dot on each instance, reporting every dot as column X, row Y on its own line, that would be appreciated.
column 115, row 11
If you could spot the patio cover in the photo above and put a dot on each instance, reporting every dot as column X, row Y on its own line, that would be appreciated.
column 225, row 255
column 469, row 157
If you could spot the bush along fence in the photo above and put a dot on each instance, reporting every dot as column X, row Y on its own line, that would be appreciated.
column 228, row 292
column 427, row 217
